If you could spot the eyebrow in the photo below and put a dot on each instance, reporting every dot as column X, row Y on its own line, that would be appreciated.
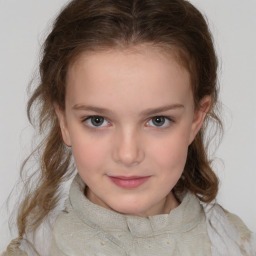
column 149, row 111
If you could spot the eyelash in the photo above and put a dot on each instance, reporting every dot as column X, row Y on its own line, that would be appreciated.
column 170, row 120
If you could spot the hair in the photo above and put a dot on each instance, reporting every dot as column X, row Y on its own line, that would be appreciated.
column 174, row 26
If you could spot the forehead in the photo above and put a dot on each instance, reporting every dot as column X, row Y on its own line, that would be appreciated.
column 145, row 69
column 144, row 50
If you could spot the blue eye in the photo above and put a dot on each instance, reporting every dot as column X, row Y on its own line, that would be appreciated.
column 99, row 121
column 96, row 121
column 159, row 121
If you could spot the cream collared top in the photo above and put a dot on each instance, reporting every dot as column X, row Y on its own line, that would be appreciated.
column 193, row 228
column 88, row 229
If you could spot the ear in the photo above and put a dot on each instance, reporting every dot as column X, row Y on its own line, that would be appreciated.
column 199, row 116
column 63, row 124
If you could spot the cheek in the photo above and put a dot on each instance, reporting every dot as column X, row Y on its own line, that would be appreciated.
column 89, row 154
column 171, row 152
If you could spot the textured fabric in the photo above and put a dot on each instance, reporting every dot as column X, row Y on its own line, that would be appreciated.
column 228, row 234
column 88, row 229
column 247, row 241
column 193, row 228
column 13, row 249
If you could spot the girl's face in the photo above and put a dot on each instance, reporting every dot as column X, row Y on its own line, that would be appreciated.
column 129, row 119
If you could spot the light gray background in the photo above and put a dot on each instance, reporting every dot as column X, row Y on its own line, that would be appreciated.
column 23, row 26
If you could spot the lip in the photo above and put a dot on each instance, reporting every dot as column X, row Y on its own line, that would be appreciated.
column 129, row 182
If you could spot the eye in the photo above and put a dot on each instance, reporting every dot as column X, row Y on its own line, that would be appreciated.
column 96, row 121
column 159, row 121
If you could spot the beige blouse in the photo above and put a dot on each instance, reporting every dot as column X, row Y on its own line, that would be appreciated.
column 88, row 229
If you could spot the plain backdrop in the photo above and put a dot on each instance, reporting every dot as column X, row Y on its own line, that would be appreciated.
column 23, row 27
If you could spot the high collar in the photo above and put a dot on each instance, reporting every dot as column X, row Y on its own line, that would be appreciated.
column 181, row 219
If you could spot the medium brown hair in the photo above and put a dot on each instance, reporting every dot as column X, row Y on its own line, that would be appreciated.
column 91, row 25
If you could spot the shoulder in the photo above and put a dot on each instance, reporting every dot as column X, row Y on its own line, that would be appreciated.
column 247, row 237
column 237, row 222
column 228, row 233
column 69, row 230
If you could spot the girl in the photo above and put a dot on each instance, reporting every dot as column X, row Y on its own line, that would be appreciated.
column 127, row 90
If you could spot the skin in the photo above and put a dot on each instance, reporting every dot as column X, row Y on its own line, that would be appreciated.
column 129, row 142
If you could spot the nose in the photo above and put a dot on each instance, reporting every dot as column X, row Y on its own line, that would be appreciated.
column 128, row 148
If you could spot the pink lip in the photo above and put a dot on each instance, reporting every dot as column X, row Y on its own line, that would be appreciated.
column 128, row 182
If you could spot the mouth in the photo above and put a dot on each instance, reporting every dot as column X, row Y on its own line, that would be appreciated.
column 129, row 182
